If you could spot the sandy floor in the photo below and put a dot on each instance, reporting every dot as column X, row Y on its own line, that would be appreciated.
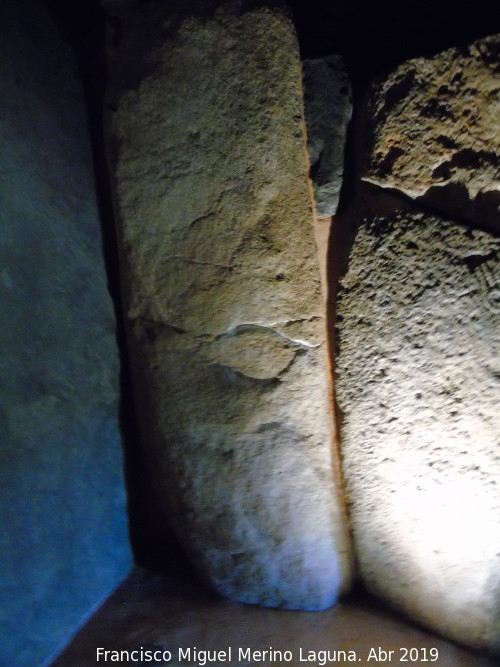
column 154, row 613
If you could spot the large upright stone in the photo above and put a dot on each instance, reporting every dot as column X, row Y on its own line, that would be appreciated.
column 418, row 384
column 436, row 133
column 64, row 538
column 224, row 313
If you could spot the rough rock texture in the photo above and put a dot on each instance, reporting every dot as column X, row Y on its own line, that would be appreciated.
column 418, row 384
column 328, row 108
column 436, row 132
column 225, row 316
column 64, row 542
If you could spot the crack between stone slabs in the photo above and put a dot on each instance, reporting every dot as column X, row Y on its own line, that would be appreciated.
column 415, row 195
column 423, row 207
column 395, row 190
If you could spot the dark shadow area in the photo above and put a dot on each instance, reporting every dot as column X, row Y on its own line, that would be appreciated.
column 84, row 24
column 375, row 36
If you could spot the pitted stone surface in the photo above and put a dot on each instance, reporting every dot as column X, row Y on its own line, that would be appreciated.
column 418, row 384
column 436, row 134
column 225, row 316
column 328, row 108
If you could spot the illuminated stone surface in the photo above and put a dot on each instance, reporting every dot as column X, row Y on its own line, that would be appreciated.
column 436, row 134
column 418, row 384
column 328, row 108
column 225, row 317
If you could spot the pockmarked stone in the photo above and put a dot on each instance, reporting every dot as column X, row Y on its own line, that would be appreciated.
column 418, row 385
column 436, row 134
column 328, row 109
column 225, row 317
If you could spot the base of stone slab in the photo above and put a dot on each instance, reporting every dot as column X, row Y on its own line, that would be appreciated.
column 152, row 613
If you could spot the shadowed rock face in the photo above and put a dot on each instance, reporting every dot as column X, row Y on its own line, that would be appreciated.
column 64, row 542
column 436, row 135
column 224, row 310
column 418, row 387
column 328, row 107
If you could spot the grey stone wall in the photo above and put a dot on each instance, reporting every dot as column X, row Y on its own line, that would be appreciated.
column 64, row 543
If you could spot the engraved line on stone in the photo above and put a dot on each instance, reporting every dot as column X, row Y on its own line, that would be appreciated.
column 249, row 326
column 193, row 261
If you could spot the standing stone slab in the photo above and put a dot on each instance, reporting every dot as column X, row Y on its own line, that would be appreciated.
column 225, row 316
column 328, row 108
column 418, row 383
column 436, row 132
column 64, row 538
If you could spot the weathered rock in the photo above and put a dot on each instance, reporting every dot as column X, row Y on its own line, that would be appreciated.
column 64, row 539
column 418, row 384
column 436, row 132
column 328, row 108
column 225, row 316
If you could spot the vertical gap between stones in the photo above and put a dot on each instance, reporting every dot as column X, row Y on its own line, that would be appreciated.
column 322, row 231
